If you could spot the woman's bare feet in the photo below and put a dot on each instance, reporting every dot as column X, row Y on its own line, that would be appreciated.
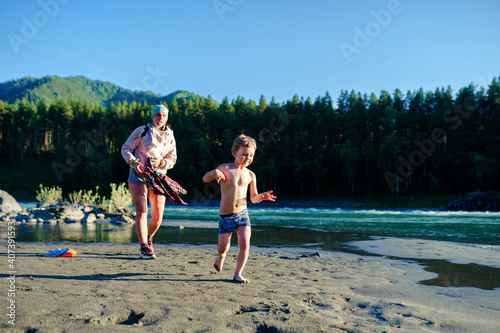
column 240, row 279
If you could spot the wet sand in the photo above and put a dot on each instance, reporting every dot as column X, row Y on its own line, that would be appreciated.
column 105, row 288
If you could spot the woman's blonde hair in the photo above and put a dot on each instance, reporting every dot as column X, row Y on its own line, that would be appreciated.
column 244, row 141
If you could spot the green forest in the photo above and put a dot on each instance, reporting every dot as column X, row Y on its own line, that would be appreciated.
column 422, row 142
column 79, row 88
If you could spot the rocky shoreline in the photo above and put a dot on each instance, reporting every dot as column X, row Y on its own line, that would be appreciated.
column 70, row 214
column 478, row 201
column 10, row 210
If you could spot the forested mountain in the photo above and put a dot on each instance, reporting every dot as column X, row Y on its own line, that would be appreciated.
column 434, row 142
column 79, row 88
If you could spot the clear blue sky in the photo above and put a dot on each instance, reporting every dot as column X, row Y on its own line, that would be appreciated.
column 251, row 48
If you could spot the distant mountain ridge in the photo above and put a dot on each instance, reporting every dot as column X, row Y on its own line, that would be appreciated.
column 81, row 88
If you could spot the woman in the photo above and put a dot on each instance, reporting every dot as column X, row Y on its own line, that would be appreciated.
column 154, row 141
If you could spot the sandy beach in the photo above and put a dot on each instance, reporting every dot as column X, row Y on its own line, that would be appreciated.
column 105, row 288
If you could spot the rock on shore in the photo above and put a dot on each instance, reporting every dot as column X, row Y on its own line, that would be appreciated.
column 482, row 202
column 8, row 203
column 10, row 210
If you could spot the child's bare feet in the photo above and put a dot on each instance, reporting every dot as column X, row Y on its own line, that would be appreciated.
column 240, row 279
column 218, row 264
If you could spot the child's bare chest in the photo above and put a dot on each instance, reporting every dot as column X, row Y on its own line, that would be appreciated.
column 238, row 178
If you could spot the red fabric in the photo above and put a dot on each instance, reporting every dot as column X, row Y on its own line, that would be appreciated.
column 164, row 185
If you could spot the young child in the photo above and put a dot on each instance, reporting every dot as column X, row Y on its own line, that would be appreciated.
column 235, row 180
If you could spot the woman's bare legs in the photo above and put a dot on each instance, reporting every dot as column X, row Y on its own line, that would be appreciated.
column 139, row 196
column 157, row 203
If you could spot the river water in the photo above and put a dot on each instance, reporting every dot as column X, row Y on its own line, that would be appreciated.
column 310, row 228
column 292, row 226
